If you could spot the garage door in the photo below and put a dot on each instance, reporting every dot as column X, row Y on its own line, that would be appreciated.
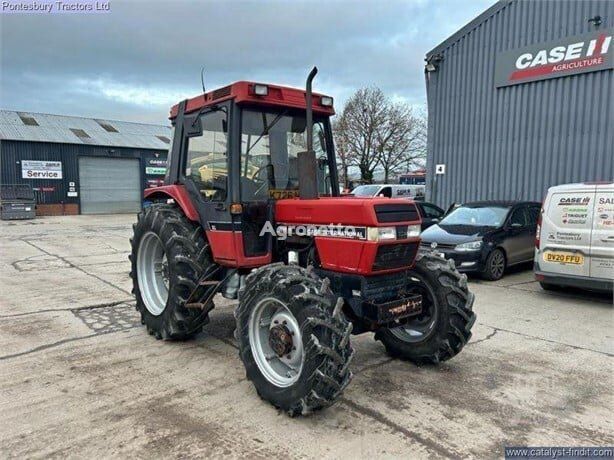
column 109, row 185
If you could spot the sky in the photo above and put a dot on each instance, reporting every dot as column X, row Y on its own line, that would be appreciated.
column 136, row 61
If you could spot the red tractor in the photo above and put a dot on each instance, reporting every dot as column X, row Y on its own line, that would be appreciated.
column 251, row 209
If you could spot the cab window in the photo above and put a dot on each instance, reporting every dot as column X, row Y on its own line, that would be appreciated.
column 207, row 164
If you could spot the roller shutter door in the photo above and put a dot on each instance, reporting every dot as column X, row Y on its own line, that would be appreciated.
column 109, row 185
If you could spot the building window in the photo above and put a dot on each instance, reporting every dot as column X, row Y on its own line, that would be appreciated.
column 80, row 133
column 107, row 127
column 164, row 139
column 28, row 120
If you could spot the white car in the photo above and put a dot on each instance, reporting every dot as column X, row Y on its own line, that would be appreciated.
column 575, row 237
column 391, row 191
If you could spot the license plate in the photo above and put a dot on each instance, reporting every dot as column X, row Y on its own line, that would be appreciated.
column 564, row 258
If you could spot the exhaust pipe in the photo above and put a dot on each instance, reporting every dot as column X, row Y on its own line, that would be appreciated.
column 307, row 166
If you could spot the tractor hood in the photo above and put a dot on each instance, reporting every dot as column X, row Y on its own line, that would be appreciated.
column 355, row 211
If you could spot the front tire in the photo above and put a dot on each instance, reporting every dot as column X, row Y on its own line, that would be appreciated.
column 293, row 338
column 444, row 327
column 495, row 265
column 169, row 254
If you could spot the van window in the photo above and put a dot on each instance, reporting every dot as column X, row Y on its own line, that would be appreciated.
column 386, row 191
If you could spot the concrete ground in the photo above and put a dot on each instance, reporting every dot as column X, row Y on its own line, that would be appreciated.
column 80, row 377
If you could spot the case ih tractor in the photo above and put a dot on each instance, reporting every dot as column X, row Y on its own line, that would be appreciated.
column 246, row 210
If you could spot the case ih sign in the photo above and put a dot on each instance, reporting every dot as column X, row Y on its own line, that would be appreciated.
column 568, row 56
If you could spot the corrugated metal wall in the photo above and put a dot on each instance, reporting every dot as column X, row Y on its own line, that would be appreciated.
column 515, row 142
column 52, row 191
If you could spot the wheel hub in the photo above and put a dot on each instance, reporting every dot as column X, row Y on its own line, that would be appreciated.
column 280, row 340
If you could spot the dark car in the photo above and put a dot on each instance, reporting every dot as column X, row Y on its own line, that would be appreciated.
column 429, row 213
column 485, row 237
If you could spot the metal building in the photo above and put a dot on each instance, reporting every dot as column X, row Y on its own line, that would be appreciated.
column 521, row 99
column 82, row 165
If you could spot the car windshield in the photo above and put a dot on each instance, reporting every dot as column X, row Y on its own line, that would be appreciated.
column 270, row 143
column 483, row 216
column 365, row 190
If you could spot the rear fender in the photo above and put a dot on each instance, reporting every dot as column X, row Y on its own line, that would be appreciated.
column 178, row 193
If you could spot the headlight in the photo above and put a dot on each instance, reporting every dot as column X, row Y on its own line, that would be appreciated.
column 470, row 246
column 413, row 231
column 381, row 233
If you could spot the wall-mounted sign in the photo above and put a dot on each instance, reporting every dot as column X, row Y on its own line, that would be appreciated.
column 72, row 194
column 567, row 56
column 32, row 169
column 157, row 162
column 155, row 171
column 440, row 169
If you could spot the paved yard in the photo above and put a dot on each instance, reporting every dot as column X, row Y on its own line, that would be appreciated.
column 80, row 377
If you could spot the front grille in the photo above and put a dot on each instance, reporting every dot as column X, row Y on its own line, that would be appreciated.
column 396, row 212
column 427, row 245
column 391, row 256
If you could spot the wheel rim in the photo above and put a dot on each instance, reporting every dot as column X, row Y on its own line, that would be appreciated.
column 152, row 273
column 276, row 342
column 497, row 264
column 420, row 327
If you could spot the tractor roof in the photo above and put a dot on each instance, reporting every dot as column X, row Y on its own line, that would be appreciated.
column 243, row 92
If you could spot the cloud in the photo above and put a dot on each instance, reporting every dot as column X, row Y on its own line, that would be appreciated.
column 144, row 56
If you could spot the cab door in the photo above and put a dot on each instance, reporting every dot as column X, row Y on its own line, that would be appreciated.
column 602, row 238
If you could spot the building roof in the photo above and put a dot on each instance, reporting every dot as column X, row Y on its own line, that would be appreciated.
column 471, row 25
column 42, row 127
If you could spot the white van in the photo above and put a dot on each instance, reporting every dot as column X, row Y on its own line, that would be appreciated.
column 391, row 191
column 575, row 237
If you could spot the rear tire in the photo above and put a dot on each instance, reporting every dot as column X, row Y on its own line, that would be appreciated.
column 310, row 370
column 165, row 238
column 495, row 265
column 447, row 306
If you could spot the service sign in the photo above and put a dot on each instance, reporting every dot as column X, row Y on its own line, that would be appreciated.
column 32, row 169
column 567, row 56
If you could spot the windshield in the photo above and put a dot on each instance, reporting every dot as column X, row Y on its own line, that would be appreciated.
column 365, row 190
column 487, row 216
column 270, row 143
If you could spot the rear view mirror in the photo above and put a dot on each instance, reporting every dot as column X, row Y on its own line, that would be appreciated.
column 193, row 127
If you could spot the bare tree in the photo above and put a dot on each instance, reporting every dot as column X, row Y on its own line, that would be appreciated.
column 401, row 140
column 375, row 134
column 356, row 130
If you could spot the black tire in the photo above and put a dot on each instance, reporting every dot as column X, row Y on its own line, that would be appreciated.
column 187, row 256
column 492, row 268
column 451, row 309
column 325, row 337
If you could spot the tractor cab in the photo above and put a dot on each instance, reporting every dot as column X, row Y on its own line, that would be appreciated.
column 236, row 151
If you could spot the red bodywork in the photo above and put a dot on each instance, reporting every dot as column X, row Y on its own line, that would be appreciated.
column 242, row 92
column 343, row 255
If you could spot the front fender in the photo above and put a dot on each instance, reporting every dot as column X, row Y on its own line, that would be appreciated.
column 178, row 193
